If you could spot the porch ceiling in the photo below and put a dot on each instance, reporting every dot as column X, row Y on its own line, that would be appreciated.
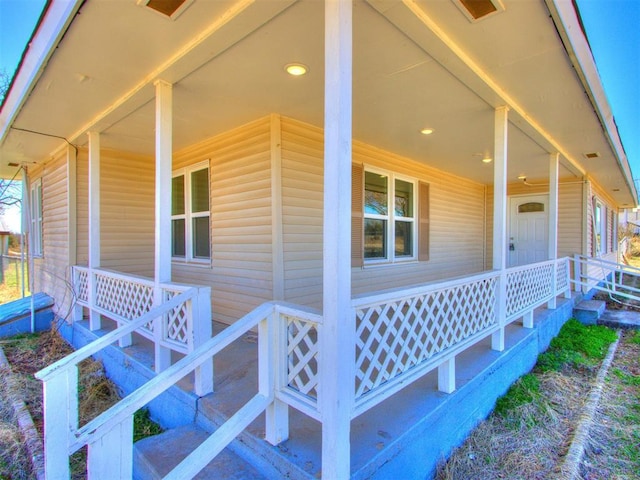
column 226, row 60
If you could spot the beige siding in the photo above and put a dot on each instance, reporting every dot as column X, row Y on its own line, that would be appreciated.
column 569, row 214
column 51, row 272
column 126, row 212
column 240, row 274
column 457, row 219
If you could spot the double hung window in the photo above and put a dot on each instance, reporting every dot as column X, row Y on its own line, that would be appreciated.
column 36, row 217
column 190, row 214
column 389, row 217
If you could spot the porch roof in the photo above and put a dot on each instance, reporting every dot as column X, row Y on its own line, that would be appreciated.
column 417, row 64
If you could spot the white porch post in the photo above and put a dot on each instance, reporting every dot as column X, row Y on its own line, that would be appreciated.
column 95, row 320
column 553, row 223
column 164, row 146
column 337, row 352
column 500, row 219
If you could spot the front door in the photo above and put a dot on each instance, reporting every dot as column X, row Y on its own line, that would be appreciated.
column 528, row 230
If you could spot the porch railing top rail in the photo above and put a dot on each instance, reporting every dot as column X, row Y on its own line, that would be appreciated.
column 111, row 337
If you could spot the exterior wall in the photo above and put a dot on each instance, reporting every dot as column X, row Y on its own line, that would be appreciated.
column 126, row 212
column 456, row 221
column 570, row 216
column 611, row 252
column 240, row 274
column 51, row 271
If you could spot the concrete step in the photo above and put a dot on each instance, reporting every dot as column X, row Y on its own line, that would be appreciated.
column 620, row 319
column 15, row 317
column 154, row 457
column 589, row 311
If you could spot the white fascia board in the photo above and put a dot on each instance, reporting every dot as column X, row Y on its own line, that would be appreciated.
column 49, row 31
column 570, row 29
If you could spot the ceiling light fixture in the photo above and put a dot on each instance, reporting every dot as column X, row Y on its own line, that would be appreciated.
column 487, row 159
column 296, row 69
column 522, row 177
column 426, row 131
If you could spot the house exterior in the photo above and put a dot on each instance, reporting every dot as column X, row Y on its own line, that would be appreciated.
column 425, row 142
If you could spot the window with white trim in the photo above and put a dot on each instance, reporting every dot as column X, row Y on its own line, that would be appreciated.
column 190, row 214
column 389, row 217
column 36, row 217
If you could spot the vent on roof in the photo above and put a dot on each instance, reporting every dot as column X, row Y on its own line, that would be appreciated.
column 475, row 10
column 170, row 8
column 591, row 155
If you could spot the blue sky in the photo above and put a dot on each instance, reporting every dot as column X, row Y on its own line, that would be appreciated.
column 613, row 30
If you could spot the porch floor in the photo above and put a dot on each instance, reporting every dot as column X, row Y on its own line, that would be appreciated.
column 406, row 435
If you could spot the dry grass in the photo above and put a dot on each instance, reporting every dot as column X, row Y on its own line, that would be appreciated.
column 11, row 286
column 14, row 463
column 29, row 353
column 613, row 451
column 525, row 444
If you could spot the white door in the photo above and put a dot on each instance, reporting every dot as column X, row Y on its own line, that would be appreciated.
column 528, row 230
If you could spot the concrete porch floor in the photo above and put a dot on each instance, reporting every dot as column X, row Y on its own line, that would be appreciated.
column 403, row 437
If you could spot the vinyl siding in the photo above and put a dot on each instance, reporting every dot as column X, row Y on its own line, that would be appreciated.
column 457, row 219
column 240, row 273
column 570, row 215
column 51, row 272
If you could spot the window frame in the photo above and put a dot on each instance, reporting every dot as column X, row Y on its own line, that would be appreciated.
column 189, row 215
column 391, row 218
column 35, row 212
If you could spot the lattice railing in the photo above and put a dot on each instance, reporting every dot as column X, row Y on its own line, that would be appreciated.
column 395, row 335
column 124, row 297
column 563, row 276
column 528, row 286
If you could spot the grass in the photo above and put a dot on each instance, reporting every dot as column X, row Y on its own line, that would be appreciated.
column 29, row 353
column 528, row 433
column 11, row 284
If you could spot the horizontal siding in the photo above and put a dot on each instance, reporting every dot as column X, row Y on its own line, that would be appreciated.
column 127, row 194
column 51, row 272
column 241, row 273
column 569, row 215
column 457, row 219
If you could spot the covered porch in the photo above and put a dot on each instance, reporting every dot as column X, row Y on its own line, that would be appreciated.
column 362, row 336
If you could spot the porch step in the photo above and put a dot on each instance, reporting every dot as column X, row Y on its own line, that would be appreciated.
column 620, row 319
column 589, row 311
column 15, row 317
column 154, row 457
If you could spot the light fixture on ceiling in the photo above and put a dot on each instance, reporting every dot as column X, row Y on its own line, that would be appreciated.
column 427, row 131
column 487, row 159
column 296, row 69
column 522, row 177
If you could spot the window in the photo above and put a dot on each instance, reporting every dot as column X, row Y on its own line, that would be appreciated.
column 600, row 228
column 190, row 215
column 390, row 217
column 36, row 217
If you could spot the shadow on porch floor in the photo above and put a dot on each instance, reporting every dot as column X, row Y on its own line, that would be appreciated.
column 406, row 435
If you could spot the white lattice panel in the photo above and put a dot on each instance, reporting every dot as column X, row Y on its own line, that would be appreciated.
column 562, row 275
column 126, row 298
column 528, row 286
column 302, row 356
column 393, row 337
column 82, row 285
column 176, row 325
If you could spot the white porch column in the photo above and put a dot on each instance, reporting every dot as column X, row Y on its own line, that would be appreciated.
column 95, row 321
column 164, row 146
column 337, row 352
column 553, row 221
column 500, row 218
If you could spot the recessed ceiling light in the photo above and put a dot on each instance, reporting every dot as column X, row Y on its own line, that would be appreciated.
column 487, row 160
column 522, row 177
column 296, row 69
column 426, row 131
